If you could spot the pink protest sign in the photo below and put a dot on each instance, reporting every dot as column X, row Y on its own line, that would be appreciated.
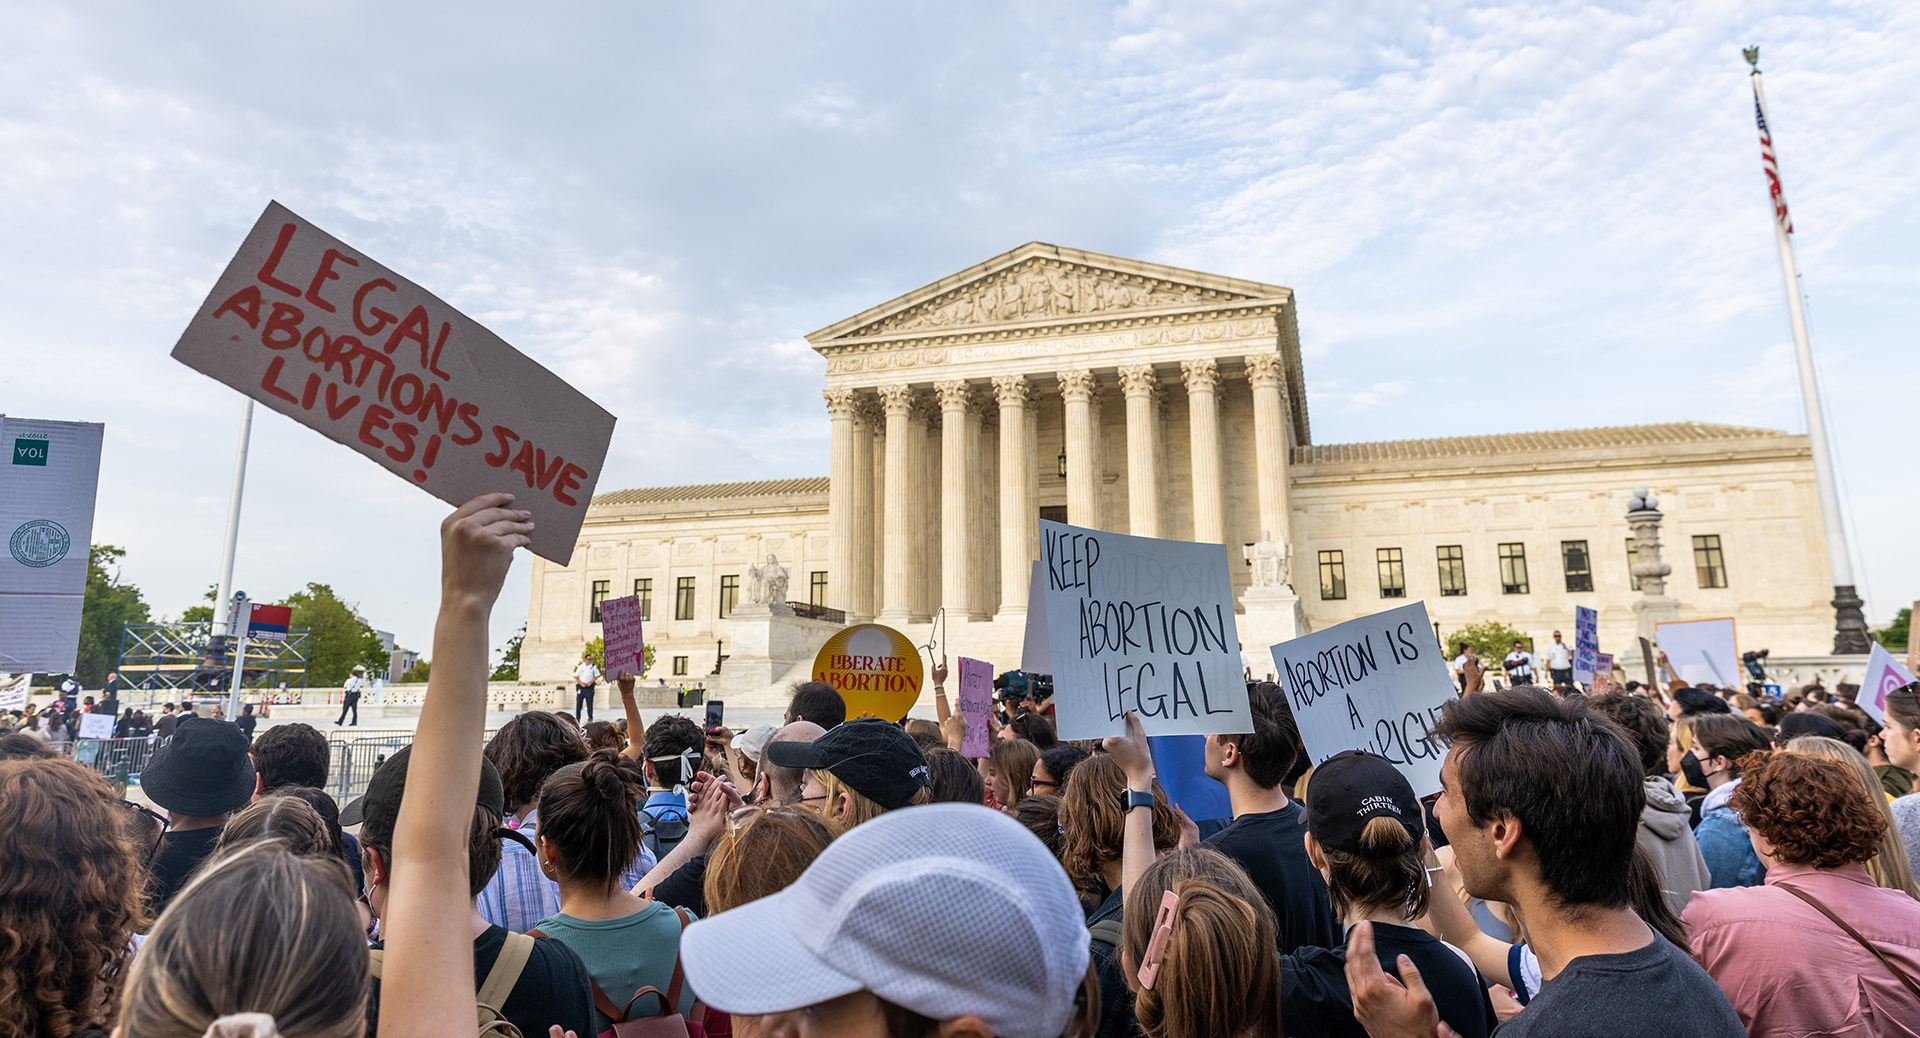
column 976, row 705
column 620, row 626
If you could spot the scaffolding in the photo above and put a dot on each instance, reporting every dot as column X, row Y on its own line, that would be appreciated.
column 194, row 658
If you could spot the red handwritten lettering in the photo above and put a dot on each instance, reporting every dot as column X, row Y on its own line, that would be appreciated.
column 403, row 450
column 434, row 364
column 359, row 299
column 569, row 480
column 246, row 303
column 415, row 326
column 375, row 419
column 337, row 408
column 399, row 385
column 324, row 274
column 326, row 344
column 285, row 320
column 501, row 433
column 544, row 471
column 273, row 262
column 432, row 403
column 523, row 461
column 307, row 394
column 270, row 381
column 466, row 414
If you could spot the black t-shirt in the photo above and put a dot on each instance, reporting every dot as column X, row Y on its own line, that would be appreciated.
column 1315, row 1000
column 1651, row 992
column 180, row 852
column 554, row 987
column 686, row 887
column 1272, row 848
column 245, row 723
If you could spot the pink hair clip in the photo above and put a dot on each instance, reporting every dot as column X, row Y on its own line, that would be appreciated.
column 1157, row 947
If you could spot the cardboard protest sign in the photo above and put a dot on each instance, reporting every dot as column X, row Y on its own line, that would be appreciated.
column 1701, row 651
column 1140, row 624
column 1586, row 643
column 1375, row 684
column 314, row 329
column 47, row 487
column 620, row 627
column 976, row 705
column 876, row 670
column 96, row 726
column 14, row 690
column 1884, row 674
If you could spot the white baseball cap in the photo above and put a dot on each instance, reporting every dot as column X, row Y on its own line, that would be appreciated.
column 753, row 742
column 945, row 909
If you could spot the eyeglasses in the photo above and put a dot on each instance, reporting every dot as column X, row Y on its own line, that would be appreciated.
column 1037, row 783
column 165, row 821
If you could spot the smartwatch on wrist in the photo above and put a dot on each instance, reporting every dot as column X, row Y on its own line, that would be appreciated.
column 1138, row 798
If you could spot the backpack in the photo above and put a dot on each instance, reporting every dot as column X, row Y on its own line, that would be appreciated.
column 495, row 989
column 668, row 1023
column 664, row 831
column 1106, row 931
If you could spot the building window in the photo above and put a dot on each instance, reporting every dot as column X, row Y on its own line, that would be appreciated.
column 598, row 596
column 1333, row 575
column 1393, row 573
column 683, row 599
column 1708, row 564
column 679, row 666
column 1453, row 570
column 1513, row 569
column 1578, row 564
column 817, row 588
column 643, row 590
column 1633, row 556
column 729, row 593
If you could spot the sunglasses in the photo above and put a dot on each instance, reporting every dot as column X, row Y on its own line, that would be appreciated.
column 166, row 823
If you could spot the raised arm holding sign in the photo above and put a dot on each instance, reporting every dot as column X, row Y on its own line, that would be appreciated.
column 316, row 330
column 1140, row 624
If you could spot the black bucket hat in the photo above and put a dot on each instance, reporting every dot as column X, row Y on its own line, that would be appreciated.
column 203, row 770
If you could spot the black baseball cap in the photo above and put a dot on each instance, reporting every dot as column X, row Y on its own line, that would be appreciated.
column 1352, row 788
column 376, row 810
column 874, row 758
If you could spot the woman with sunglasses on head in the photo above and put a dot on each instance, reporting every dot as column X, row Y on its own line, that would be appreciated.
column 71, row 897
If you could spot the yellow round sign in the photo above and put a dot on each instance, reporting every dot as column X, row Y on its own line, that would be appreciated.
column 876, row 669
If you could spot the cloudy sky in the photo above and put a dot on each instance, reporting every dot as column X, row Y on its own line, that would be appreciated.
column 1497, row 219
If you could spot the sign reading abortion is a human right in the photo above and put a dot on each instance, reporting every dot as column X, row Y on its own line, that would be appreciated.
column 1375, row 684
column 314, row 329
column 1140, row 624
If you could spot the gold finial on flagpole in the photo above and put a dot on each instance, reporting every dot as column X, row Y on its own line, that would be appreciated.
column 1753, row 56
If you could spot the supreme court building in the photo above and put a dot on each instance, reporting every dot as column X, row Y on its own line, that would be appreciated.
column 1137, row 398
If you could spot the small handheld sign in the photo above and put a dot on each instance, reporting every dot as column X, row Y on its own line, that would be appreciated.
column 620, row 627
column 976, row 705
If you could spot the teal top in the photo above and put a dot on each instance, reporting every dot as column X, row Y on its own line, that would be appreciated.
column 626, row 954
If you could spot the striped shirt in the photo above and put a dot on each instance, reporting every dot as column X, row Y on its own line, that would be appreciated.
column 520, row 895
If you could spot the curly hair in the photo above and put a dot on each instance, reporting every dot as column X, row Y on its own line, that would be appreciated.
column 1811, row 809
column 1093, row 820
column 530, row 748
column 670, row 737
column 71, row 890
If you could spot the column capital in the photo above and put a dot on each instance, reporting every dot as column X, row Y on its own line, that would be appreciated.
column 1138, row 380
column 868, row 413
column 1202, row 376
column 954, row 395
column 1265, row 369
column 841, row 403
column 1076, row 386
column 1011, row 390
column 896, row 399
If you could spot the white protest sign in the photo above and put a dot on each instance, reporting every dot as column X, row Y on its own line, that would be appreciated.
column 1884, row 674
column 1375, row 684
column 14, row 690
column 47, row 487
column 1036, row 654
column 314, row 329
column 1144, row 625
column 620, row 626
column 976, row 705
column 1586, row 643
column 1702, row 651
column 96, row 726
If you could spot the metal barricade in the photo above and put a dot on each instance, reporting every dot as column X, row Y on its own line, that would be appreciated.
column 355, row 756
column 118, row 759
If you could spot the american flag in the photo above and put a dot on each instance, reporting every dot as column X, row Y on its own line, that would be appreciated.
column 1773, row 168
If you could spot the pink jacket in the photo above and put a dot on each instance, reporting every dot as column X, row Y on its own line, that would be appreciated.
column 1788, row 970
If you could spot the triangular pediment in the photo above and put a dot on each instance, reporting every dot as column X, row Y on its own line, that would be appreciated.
column 1038, row 282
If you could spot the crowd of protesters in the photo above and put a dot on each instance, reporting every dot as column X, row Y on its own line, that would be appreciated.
column 1644, row 862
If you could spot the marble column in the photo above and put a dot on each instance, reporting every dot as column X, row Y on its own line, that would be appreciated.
column 956, row 429
column 1016, row 506
column 1143, row 457
column 924, row 528
column 1264, row 371
column 983, row 507
column 841, row 507
column 860, row 605
column 1203, row 423
column 897, row 516
column 1083, row 462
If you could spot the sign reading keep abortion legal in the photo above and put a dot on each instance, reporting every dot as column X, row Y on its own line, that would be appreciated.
column 1140, row 624
column 314, row 329
column 1375, row 684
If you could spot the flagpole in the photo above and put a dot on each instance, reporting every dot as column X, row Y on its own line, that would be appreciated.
column 1850, row 624
column 223, row 599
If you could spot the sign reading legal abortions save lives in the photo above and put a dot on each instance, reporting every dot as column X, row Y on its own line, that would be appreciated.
column 1375, row 684
column 1135, row 623
column 314, row 329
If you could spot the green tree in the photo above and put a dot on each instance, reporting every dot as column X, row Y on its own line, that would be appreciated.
column 417, row 675
column 1491, row 641
column 108, row 608
column 597, row 651
column 509, row 668
column 1894, row 636
column 201, row 614
column 338, row 637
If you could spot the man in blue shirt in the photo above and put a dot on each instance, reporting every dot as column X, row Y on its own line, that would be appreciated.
column 671, row 756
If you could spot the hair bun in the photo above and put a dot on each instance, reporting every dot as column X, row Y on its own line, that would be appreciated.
column 243, row 1025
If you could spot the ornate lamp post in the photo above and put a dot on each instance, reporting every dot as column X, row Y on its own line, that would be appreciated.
column 1653, row 606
